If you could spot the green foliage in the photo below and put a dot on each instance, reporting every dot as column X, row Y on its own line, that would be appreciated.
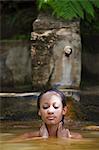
column 69, row 9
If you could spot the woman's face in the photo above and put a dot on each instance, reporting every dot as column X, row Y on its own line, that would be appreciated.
column 51, row 108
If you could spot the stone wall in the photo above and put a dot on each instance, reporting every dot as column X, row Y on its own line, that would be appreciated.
column 15, row 66
column 51, row 65
column 45, row 64
column 89, row 104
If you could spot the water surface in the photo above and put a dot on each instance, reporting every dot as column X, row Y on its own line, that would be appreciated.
column 90, row 141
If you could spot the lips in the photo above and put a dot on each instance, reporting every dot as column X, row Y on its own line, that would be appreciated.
column 51, row 117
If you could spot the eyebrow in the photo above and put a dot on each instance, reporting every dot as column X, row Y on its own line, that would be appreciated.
column 48, row 103
column 45, row 103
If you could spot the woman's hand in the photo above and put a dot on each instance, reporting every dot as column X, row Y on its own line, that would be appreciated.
column 62, row 132
column 43, row 131
column 65, row 133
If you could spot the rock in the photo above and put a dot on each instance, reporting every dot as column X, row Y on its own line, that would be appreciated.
column 15, row 65
column 91, row 127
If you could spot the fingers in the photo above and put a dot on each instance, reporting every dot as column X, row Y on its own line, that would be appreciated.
column 68, row 133
column 43, row 131
column 60, row 126
column 62, row 132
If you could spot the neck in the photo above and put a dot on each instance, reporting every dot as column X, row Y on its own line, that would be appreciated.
column 52, row 130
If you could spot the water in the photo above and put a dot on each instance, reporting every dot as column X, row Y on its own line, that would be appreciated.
column 90, row 141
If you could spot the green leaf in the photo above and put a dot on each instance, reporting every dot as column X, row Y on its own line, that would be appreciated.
column 95, row 3
column 69, row 9
column 77, row 8
column 87, row 7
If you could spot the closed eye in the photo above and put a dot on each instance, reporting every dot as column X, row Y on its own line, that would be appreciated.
column 45, row 107
column 56, row 107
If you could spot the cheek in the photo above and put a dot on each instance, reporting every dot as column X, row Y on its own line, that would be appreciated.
column 59, row 116
column 59, row 113
column 43, row 113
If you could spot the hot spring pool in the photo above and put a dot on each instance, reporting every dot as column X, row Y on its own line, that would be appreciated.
column 90, row 141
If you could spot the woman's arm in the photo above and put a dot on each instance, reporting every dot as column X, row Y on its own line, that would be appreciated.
column 26, row 137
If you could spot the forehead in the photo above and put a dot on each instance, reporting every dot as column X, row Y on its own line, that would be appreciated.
column 51, row 96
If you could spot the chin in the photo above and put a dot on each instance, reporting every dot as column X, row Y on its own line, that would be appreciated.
column 52, row 122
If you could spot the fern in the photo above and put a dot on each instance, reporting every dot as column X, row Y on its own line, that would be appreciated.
column 77, row 9
column 69, row 9
column 87, row 7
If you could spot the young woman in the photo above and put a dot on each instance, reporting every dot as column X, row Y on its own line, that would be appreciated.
column 52, row 109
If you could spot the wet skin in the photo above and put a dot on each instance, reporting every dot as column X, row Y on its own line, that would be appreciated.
column 51, row 112
column 51, row 109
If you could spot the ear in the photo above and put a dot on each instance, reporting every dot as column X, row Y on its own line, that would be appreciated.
column 39, row 113
column 64, row 110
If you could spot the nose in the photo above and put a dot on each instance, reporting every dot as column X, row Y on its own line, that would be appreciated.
column 51, row 110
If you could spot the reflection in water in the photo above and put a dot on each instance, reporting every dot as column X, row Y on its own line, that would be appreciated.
column 89, row 142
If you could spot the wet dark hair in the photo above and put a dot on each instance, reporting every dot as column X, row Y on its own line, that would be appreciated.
column 62, row 96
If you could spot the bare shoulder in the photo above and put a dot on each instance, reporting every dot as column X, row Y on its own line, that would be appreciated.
column 30, row 134
column 25, row 137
